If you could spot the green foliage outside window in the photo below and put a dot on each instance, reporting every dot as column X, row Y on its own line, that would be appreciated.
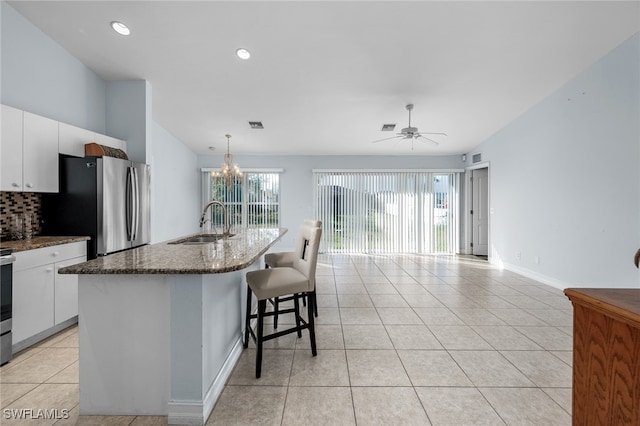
column 252, row 201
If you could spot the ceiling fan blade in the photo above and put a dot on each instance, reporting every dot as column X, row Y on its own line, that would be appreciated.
column 385, row 139
column 424, row 137
column 431, row 133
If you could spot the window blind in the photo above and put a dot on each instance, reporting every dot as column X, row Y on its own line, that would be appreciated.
column 387, row 212
column 253, row 201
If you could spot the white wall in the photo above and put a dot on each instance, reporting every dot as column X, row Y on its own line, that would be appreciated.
column 565, row 179
column 296, row 181
column 175, row 187
column 39, row 76
column 129, row 115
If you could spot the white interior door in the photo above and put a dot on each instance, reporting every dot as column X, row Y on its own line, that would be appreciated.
column 480, row 211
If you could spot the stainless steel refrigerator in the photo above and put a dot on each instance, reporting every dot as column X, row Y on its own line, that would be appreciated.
column 105, row 198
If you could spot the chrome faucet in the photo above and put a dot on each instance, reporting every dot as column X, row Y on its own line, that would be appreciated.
column 227, row 225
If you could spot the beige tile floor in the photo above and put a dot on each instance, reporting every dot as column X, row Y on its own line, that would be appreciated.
column 401, row 340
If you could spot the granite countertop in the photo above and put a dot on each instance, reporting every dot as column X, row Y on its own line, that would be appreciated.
column 39, row 242
column 226, row 255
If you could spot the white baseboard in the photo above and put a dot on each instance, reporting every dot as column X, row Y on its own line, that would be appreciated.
column 185, row 413
column 544, row 279
column 17, row 347
column 196, row 412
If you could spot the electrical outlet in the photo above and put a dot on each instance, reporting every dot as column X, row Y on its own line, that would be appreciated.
column 518, row 255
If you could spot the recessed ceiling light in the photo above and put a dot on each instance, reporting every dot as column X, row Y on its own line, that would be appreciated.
column 120, row 28
column 243, row 53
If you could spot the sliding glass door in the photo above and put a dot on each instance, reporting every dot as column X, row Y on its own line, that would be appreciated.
column 387, row 212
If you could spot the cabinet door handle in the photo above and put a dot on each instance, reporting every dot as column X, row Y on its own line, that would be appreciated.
column 49, row 269
column 29, row 185
column 55, row 253
column 15, row 185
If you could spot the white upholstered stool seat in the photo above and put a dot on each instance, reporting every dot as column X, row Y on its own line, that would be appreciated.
column 275, row 282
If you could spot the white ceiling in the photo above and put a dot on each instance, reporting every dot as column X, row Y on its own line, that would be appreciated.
column 325, row 76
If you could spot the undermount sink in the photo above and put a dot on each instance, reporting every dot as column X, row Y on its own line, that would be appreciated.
column 203, row 239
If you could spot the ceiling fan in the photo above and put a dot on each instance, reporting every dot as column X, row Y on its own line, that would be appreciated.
column 412, row 133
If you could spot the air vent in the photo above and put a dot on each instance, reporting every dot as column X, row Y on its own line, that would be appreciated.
column 476, row 158
column 388, row 127
column 256, row 125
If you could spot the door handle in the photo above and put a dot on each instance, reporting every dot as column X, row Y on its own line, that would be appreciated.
column 129, row 207
column 136, row 203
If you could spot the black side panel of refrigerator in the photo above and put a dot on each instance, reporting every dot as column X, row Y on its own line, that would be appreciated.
column 74, row 210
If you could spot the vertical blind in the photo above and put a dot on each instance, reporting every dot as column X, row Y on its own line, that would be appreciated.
column 253, row 200
column 387, row 212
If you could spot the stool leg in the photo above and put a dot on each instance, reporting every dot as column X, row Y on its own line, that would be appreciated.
column 276, row 307
column 315, row 303
column 312, row 331
column 247, row 319
column 262, row 307
column 296, row 305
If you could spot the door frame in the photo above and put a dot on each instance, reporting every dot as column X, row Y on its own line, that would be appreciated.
column 468, row 219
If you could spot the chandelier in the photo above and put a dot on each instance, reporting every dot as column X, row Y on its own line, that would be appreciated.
column 228, row 171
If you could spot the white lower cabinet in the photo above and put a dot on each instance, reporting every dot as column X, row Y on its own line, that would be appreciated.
column 66, row 292
column 32, row 302
column 42, row 298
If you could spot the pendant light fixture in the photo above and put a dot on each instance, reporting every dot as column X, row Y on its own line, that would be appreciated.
column 228, row 170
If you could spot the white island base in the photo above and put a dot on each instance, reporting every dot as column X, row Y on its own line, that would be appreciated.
column 154, row 344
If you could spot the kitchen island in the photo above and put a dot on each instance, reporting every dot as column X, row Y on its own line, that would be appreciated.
column 160, row 326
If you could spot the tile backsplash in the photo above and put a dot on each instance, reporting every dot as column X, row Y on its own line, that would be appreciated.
column 29, row 203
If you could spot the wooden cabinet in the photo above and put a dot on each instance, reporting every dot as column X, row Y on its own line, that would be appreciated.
column 112, row 142
column 606, row 356
column 42, row 298
column 11, row 150
column 29, row 152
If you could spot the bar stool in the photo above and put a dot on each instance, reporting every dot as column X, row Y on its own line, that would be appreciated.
column 297, row 280
column 278, row 259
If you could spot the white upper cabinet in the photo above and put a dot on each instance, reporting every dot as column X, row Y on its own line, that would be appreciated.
column 40, row 154
column 29, row 148
column 11, row 149
column 71, row 139
column 29, row 152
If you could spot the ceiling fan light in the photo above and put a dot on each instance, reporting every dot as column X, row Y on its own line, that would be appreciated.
column 120, row 28
column 243, row 53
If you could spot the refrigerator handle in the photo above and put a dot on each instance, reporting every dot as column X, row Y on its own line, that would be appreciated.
column 130, row 206
column 136, row 200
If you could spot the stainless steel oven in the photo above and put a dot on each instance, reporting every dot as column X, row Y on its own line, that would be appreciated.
column 6, row 297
